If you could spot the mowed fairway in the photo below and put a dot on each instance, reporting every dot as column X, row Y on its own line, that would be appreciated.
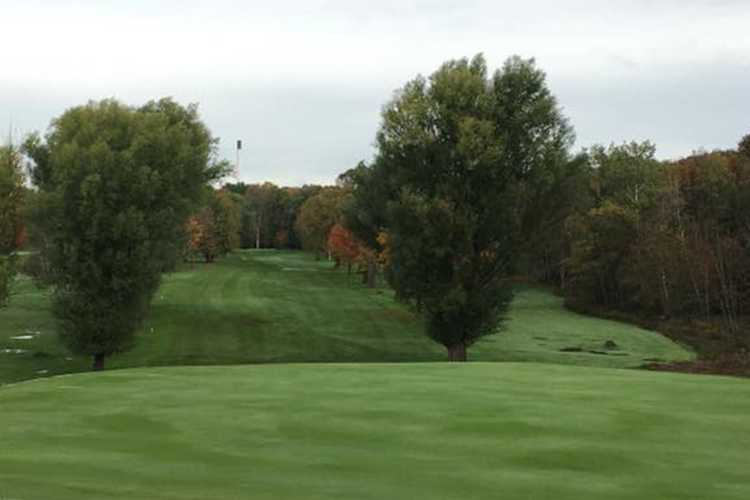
column 274, row 306
column 376, row 431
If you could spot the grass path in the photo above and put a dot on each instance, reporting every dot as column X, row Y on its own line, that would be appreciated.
column 270, row 306
column 373, row 431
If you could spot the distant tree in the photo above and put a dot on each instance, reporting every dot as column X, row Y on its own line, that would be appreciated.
column 365, row 215
column 268, row 213
column 343, row 245
column 116, row 184
column 214, row 229
column 11, row 189
column 227, row 212
column 317, row 216
column 200, row 236
column 471, row 164
column 296, row 198
column 627, row 174
column 261, row 201
column 603, row 241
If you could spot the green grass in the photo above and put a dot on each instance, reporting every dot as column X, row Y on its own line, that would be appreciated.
column 270, row 306
column 375, row 431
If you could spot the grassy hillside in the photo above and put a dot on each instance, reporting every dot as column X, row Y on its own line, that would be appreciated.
column 269, row 306
column 417, row 431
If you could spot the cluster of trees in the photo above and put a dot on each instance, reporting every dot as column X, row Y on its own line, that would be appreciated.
column 214, row 229
column 664, row 238
column 311, row 218
column 325, row 224
column 265, row 216
column 268, row 214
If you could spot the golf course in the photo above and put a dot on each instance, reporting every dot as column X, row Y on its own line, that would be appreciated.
column 284, row 306
column 544, row 411
column 374, row 251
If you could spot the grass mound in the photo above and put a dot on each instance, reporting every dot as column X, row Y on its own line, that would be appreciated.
column 417, row 431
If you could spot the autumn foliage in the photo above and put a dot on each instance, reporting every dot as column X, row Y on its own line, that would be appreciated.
column 342, row 244
column 214, row 230
column 666, row 239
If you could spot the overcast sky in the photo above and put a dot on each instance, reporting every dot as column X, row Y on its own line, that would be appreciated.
column 302, row 82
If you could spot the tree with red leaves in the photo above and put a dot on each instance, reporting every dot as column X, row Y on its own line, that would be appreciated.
column 343, row 245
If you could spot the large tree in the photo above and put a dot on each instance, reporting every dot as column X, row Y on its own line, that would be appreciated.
column 472, row 163
column 11, row 188
column 117, row 184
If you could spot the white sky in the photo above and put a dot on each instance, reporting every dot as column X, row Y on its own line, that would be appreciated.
column 302, row 82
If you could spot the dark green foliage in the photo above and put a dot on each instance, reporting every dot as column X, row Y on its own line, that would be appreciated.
column 365, row 212
column 11, row 180
column 603, row 242
column 117, row 184
column 468, row 165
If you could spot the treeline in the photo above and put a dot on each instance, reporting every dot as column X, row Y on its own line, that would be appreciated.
column 310, row 217
column 240, row 215
column 665, row 239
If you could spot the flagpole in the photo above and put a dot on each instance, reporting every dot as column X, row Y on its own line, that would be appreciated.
column 237, row 160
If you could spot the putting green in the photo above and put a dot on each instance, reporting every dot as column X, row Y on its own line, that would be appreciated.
column 375, row 431
column 283, row 306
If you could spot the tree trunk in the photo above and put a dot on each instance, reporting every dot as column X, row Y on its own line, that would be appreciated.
column 258, row 220
column 665, row 309
column 98, row 362
column 371, row 271
column 457, row 352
